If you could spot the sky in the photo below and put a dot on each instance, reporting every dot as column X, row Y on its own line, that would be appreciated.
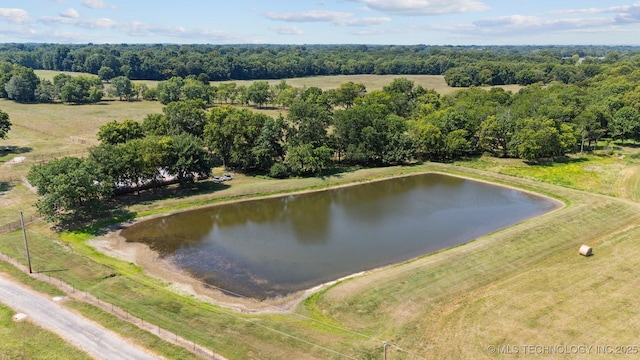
column 390, row 22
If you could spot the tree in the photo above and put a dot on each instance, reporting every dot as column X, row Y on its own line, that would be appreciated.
column 258, row 93
column 170, row 90
column 305, row 159
column 232, row 135
column 5, row 124
column 346, row 94
column 122, row 87
column 196, row 90
column 46, row 92
column 186, row 116
column 495, row 134
column 69, row 188
column 115, row 132
column 106, row 73
column 187, row 158
column 456, row 143
column 79, row 89
column 539, row 137
column 625, row 124
column 429, row 141
column 21, row 88
column 269, row 145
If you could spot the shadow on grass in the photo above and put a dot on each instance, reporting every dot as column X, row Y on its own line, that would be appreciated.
column 14, row 150
column 170, row 192
column 50, row 271
column 558, row 160
column 5, row 186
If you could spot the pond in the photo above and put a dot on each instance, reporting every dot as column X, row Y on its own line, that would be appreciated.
column 276, row 246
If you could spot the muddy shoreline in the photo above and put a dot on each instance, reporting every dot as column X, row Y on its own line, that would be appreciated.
column 115, row 245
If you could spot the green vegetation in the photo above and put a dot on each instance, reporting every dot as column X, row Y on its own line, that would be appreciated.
column 526, row 284
column 23, row 340
column 463, row 65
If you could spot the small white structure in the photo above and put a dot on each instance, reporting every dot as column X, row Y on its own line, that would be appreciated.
column 586, row 250
column 19, row 317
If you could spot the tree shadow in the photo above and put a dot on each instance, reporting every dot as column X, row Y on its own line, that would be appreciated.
column 50, row 271
column 559, row 160
column 5, row 186
column 171, row 192
column 14, row 150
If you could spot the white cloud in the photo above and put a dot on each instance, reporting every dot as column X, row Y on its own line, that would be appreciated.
column 424, row 7
column 309, row 16
column 96, row 4
column 16, row 16
column 70, row 13
column 532, row 25
column 334, row 17
column 287, row 30
column 100, row 23
column 371, row 21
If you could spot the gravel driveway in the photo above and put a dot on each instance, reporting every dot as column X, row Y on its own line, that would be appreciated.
column 92, row 338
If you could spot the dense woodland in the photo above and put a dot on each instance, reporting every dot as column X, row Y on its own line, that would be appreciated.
column 469, row 65
column 202, row 126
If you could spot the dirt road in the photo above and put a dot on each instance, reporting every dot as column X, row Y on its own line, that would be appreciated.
column 97, row 341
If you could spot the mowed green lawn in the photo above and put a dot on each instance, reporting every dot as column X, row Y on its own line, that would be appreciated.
column 521, row 285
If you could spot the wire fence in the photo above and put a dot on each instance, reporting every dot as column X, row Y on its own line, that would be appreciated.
column 122, row 314
column 150, row 323
column 7, row 228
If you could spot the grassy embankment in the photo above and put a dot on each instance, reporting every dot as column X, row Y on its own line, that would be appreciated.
column 522, row 285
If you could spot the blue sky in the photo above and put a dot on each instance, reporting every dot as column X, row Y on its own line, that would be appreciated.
column 431, row 22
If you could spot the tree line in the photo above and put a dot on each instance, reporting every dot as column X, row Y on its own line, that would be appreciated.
column 255, row 62
column 343, row 127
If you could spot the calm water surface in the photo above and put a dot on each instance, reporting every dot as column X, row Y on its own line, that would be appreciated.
column 271, row 247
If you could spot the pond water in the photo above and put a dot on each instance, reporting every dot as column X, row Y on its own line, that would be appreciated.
column 276, row 246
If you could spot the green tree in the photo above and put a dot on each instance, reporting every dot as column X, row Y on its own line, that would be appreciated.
column 232, row 135
column 456, row 143
column 187, row 158
column 429, row 141
column 5, row 124
column 259, row 93
column 115, row 132
column 540, row 137
column 306, row 160
column 495, row 134
column 170, row 90
column 196, row 90
column 21, row 88
column 186, row 116
column 625, row 124
column 269, row 147
column 346, row 94
column 70, row 188
column 122, row 87
column 79, row 89
column 46, row 92
column 106, row 73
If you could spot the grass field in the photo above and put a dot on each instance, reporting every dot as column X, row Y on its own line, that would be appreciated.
column 371, row 82
column 522, row 285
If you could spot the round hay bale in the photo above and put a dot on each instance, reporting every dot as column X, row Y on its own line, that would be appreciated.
column 586, row 250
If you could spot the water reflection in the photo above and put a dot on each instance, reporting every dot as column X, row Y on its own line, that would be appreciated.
column 275, row 246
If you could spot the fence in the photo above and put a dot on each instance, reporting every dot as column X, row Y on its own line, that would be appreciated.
column 7, row 228
column 122, row 314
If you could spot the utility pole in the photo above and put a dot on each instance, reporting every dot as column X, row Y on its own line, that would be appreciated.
column 26, row 244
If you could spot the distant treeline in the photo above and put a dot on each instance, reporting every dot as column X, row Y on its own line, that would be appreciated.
column 462, row 65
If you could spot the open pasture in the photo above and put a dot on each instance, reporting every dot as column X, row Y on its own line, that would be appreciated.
column 522, row 285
